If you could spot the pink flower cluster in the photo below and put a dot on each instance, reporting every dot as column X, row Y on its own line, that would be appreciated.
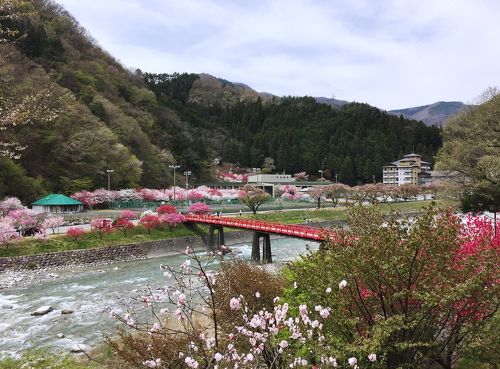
column 232, row 177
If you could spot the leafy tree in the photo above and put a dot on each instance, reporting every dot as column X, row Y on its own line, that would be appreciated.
column 471, row 147
column 253, row 197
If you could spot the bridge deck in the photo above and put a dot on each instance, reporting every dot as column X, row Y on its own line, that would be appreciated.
column 291, row 230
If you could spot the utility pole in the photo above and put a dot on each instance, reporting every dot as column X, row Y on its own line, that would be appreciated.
column 187, row 173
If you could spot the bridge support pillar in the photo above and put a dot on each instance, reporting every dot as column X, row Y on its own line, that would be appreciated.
column 266, row 247
column 256, row 247
column 214, row 241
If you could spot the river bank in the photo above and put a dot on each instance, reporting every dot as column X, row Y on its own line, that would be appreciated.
column 90, row 292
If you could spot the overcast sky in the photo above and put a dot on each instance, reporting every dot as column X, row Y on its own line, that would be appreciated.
column 388, row 53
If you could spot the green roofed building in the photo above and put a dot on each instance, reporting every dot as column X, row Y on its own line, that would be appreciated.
column 57, row 203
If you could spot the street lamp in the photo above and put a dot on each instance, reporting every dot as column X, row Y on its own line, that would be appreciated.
column 187, row 173
column 174, row 167
column 321, row 172
column 108, row 172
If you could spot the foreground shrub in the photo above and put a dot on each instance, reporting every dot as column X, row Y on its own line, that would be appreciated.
column 415, row 292
column 213, row 327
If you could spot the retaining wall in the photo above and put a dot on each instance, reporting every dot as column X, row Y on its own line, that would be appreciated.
column 115, row 254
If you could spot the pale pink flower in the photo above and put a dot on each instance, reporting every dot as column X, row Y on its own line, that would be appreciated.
column 372, row 357
column 192, row 363
column 218, row 357
column 152, row 363
column 324, row 313
column 342, row 284
column 234, row 303
column 352, row 361
column 257, row 294
column 328, row 290
column 284, row 344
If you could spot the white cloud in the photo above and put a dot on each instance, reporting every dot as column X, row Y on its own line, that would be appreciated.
column 388, row 53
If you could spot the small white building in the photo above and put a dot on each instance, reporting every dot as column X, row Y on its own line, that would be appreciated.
column 411, row 169
column 57, row 203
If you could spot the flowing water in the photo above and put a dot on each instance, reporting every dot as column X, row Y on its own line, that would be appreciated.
column 88, row 292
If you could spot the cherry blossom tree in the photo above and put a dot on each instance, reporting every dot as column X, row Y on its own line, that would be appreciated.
column 9, row 204
column 301, row 176
column 318, row 193
column 101, row 226
column 199, row 208
column 25, row 220
column 7, row 230
column 253, row 197
column 128, row 214
column 52, row 223
column 290, row 192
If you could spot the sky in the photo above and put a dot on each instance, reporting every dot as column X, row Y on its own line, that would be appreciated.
column 388, row 53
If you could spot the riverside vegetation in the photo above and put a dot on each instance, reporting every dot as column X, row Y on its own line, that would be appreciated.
column 419, row 293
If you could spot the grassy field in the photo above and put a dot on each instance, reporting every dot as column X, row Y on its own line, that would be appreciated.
column 31, row 246
column 329, row 214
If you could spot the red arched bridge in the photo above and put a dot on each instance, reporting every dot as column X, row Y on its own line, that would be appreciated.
column 261, row 229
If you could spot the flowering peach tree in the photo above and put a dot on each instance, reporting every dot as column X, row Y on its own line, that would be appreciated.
column 416, row 292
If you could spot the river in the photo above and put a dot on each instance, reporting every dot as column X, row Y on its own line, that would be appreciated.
column 88, row 292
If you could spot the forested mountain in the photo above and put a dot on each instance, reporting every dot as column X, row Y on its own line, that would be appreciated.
column 433, row 114
column 77, row 112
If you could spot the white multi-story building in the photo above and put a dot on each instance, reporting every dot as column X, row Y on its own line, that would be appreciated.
column 408, row 170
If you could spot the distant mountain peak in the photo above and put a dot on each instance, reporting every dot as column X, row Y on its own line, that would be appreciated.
column 434, row 114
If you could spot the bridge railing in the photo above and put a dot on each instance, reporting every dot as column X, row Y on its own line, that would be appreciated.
column 258, row 225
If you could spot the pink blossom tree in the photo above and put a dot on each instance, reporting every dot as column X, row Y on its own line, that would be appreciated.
column 150, row 222
column 123, row 224
column 75, row 233
column 9, row 204
column 166, row 209
column 53, row 223
column 290, row 192
column 101, row 226
column 128, row 214
column 7, row 230
column 301, row 176
column 25, row 220
column 199, row 208
column 173, row 219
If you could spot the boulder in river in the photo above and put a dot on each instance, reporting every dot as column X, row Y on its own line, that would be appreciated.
column 66, row 311
column 42, row 310
column 79, row 347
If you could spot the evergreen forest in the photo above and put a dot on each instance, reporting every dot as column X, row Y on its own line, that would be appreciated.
column 69, row 111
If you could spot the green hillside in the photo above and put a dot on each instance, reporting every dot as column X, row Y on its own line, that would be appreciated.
column 75, row 112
